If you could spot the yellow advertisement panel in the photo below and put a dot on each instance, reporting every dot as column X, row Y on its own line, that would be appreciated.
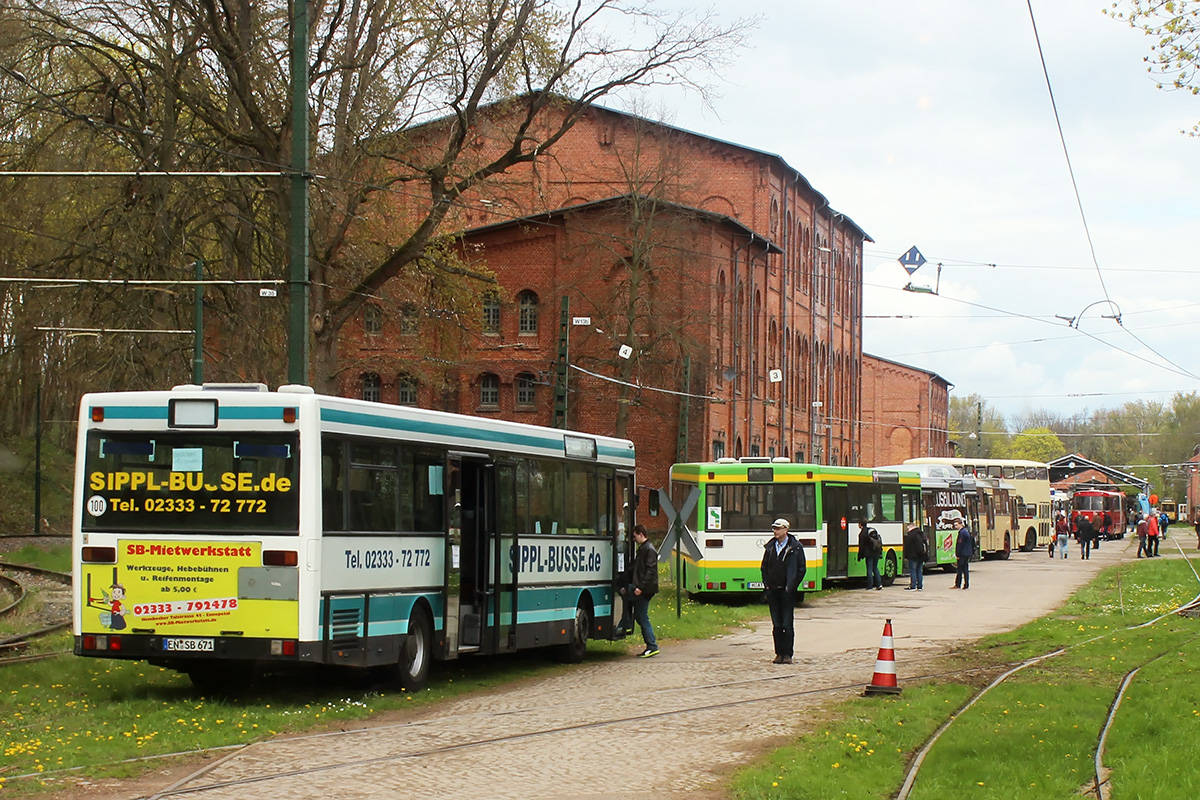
column 190, row 589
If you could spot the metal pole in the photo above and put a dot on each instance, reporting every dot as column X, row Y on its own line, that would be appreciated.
column 198, row 337
column 979, row 429
column 37, row 461
column 562, row 367
column 298, row 224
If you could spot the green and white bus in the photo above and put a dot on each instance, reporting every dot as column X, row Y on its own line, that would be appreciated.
column 739, row 499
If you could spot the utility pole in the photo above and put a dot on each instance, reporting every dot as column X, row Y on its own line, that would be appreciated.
column 561, row 367
column 979, row 429
column 298, row 224
column 198, row 336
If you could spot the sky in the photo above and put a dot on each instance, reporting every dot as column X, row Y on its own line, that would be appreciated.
column 930, row 124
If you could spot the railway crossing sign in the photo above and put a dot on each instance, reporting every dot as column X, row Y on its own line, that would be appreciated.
column 912, row 260
column 677, row 529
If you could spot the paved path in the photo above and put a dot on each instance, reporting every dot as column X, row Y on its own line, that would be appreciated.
column 670, row 727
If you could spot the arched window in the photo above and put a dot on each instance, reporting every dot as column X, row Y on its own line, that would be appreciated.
column 527, row 307
column 406, row 390
column 491, row 313
column 372, row 318
column 489, row 390
column 526, row 389
column 370, row 384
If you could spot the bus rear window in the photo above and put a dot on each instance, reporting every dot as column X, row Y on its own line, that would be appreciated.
column 194, row 482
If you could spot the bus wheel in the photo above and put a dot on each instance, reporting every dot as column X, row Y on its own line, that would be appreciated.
column 415, row 653
column 574, row 650
column 890, row 568
column 1030, row 541
column 1007, row 551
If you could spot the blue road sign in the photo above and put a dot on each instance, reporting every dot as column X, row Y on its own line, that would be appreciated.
column 912, row 260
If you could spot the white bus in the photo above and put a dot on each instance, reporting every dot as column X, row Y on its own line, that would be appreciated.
column 225, row 531
column 1030, row 482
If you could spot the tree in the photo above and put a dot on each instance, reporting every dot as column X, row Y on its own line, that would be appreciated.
column 973, row 415
column 414, row 103
column 1174, row 59
column 1036, row 444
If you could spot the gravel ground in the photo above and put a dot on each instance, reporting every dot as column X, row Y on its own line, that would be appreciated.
column 674, row 726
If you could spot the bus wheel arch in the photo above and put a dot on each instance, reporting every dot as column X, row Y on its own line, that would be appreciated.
column 416, row 651
column 580, row 631
column 891, row 568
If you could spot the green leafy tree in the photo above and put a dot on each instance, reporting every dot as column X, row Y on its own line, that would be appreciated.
column 1036, row 444
column 972, row 415
column 1174, row 59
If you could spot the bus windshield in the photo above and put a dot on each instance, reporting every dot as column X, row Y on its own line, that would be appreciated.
column 202, row 483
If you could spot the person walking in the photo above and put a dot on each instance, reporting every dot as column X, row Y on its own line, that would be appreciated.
column 1152, row 533
column 915, row 553
column 1197, row 524
column 1062, row 531
column 783, row 566
column 964, row 548
column 1106, row 530
column 1084, row 533
column 645, row 586
column 870, row 549
column 1143, row 529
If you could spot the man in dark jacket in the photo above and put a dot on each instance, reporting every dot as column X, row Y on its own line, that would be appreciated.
column 964, row 549
column 915, row 553
column 783, row 567
column 1084, row 534
column 645, row 586
column 870, row 549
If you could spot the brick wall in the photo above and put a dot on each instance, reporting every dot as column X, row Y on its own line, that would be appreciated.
column 905, row 412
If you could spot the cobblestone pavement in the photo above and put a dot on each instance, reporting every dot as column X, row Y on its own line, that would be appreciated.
column 674, row 726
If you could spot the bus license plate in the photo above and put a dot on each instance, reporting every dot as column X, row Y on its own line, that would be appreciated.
column 188, row 645
column 754, row 584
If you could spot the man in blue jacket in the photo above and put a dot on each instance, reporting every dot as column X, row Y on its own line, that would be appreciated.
column 964, row 548
column 783, row 567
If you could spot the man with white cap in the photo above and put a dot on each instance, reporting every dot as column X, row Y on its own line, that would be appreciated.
column 783, row 567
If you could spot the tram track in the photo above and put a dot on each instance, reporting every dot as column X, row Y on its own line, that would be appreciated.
column 22, row 583
column 1100, row 781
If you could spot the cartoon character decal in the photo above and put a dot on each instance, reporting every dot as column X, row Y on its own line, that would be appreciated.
column 111, row 604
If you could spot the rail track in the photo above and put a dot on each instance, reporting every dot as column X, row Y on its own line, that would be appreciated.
column 21, row 585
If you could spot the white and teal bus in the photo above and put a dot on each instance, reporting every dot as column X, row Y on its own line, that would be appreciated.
column 739, row 499
column 227, row 530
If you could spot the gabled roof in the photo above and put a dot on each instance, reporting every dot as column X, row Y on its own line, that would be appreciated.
column 1066, row 465
column 773, row 156
column 544, row 217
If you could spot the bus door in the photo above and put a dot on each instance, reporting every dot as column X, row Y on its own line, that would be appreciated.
column 472, row 549
column 835, row 502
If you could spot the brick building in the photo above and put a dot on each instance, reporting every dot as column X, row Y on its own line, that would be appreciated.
column 905, row 412
column 736, row 286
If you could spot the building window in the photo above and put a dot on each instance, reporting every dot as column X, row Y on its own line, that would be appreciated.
column 406, row 390
column 718, row 449
column 491, row 313
column 527, row 305
column 489, row 391
column 372, row 318
column 370, row 385
column 526, row 389
column 408, row 318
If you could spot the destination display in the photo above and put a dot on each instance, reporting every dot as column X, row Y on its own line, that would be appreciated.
column 191, row 482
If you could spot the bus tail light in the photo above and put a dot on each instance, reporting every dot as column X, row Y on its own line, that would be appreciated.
column 283, row 647
column 289, row 415
column 713, row 585
column 93, row 642
column 97, row 413
column 99, row 555
column 279, row 558
column 809, row 584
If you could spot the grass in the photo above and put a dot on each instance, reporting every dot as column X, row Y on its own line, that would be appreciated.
column 1035, row 735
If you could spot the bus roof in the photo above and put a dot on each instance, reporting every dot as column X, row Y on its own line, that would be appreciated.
column 150, row 410
column 937, row 476
column 739, row 471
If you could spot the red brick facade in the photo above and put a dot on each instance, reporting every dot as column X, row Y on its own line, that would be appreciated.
column 906, row 413
column 738, row 269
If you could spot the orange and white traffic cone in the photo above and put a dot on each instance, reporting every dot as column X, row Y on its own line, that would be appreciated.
column 884, row 680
